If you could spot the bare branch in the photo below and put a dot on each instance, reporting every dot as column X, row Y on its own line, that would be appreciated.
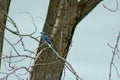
column 116, row 70
column 32, row 21
column 112, row 10
column 113, row 56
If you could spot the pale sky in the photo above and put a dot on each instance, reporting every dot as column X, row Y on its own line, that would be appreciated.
column 89, row 55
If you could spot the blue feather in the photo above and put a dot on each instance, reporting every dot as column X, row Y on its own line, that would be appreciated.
column 47, row 39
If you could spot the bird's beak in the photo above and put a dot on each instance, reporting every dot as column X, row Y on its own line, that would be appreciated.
column 40, row 32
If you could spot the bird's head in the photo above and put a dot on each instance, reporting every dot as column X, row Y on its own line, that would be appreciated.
column 43, row 33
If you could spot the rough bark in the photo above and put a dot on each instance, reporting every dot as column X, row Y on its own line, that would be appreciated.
column 4, row 7
column 63, row 17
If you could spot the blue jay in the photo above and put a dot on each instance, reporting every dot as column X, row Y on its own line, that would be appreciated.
column 47, row 39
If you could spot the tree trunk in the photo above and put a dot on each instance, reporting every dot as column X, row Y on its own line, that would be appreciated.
column 62, row 19
column 4, row 7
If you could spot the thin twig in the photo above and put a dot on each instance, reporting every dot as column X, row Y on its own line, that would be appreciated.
column 70, row 66
column 114, row 52
column 116, row 70
column 112, row 9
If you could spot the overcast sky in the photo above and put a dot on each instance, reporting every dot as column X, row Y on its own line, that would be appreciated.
column 89, row 55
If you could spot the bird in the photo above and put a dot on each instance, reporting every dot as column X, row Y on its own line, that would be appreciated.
column 47, row 39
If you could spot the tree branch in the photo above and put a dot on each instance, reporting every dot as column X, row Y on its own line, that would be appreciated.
column 85, row 7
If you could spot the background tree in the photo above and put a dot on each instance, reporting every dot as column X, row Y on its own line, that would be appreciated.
column 63, row 17
column 4, row 7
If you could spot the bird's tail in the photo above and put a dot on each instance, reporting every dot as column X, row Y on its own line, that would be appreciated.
column 53, row 49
